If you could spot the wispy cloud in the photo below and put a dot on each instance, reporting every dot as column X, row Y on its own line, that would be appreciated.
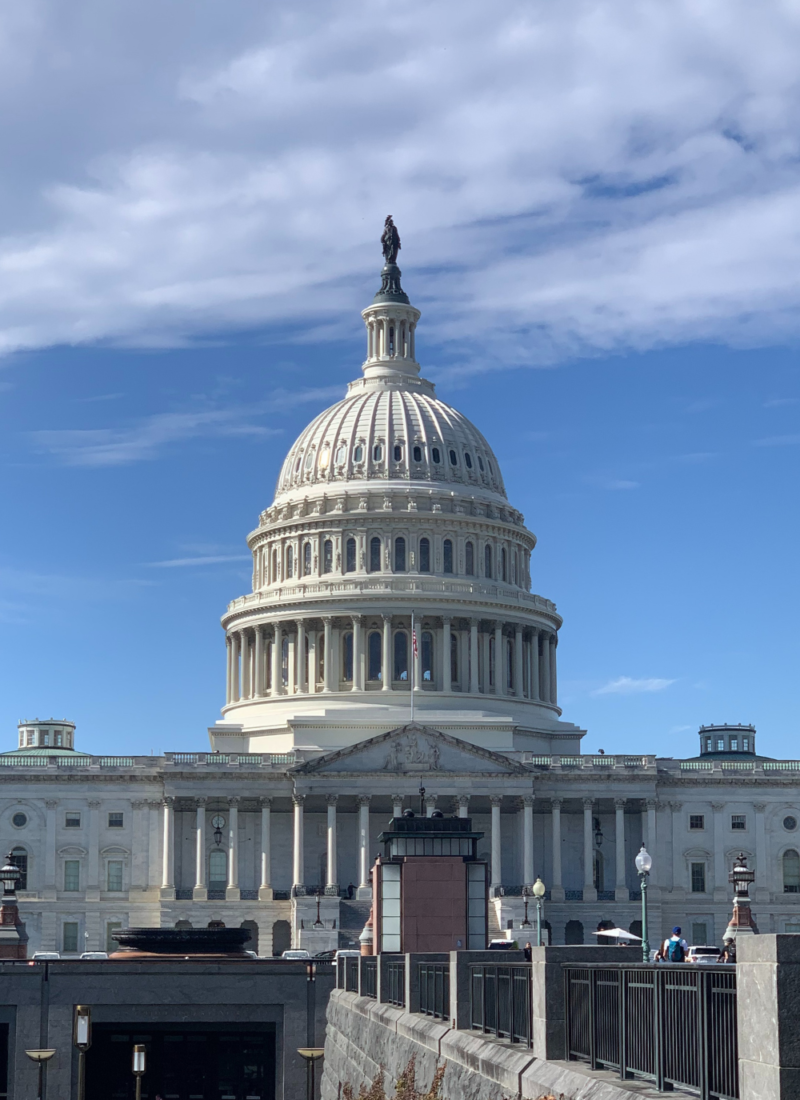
column 625, row 685
column 211, row 559
column 778, row 441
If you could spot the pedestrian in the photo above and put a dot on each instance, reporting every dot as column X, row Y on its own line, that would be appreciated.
column 674, row 949
column 729, row 950
column 528, row 951
column 351, row 891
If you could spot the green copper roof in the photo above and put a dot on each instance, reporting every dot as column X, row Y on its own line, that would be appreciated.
column 45, row 750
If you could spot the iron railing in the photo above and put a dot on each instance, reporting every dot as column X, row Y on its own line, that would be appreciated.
column 500, row 1001
column 369, row 977
column 351, row 974
column 674, row 1025
column 393, row 991
column 434, row 990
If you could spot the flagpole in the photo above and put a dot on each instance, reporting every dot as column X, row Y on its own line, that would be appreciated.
column 413, row 663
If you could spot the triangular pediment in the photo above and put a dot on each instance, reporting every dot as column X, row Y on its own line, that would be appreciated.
column 413, row 750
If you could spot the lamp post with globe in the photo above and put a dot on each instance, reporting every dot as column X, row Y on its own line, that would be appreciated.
column 539, row 890
column 644, row 862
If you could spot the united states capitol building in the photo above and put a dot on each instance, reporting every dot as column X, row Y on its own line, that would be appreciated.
column 391, row 642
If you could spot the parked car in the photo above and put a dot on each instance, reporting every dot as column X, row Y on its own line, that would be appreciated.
column 503, row 945
column 94, row 955
column 299, row 953
column 45, row 956
column 705, row 953
column 348, row 953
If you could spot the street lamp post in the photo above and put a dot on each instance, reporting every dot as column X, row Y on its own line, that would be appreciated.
column 82, row 1038
column 526, row 893
column 310, row 1056
column 539, row 890
column 644, row 862
column 41, row 1057
column 138, row 1067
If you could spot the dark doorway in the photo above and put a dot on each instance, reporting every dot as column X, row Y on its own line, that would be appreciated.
column 573, row 933
column 187, row 1063
column 281, row 937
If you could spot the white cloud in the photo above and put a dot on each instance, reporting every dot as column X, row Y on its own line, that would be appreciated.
column 625, row 685
column 208, row 559
column 568, row 178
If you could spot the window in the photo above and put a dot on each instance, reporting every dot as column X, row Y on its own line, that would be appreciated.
column 69, row 937
column 436, row 455
column 424, row 555
column 72, row 875
column 307, row 560
column 289, row 561
column 720, row 744
column 418, row 454
column 374, row 656
column 375, row 555
column 115, row 876
column 738, row 821
column 58, row 739
column 111, row 944
column 598, row 870
column 274, row 566
column 708, row 744
column 745, row 744
column 72, row 820
column 698, row 878
column 791, row 872
column 115, row 820
column 700, row 933
column 427, row 656
column 217, row 870
column 19, row 820
column 503, row 565
column 298, row 464
column 377, row 452
column 448, row 556
column 401, row 656
column 453, row 458
column 487, row 561
column 489, row 464
column 46, row 740
column 480, row 463
column 400, row 555
column 734, row 744
column 325, row 457
column 350, row 556
column 468, row 459
column 341, row 453
column 358, row 453
column 347, row 658
column 19, row 858
column 792, row 926
column 469, row 560
column 398, row 452
column 390, row 907
column 309, row 460
column 327, row 556
column 790, row 824
column 453, row 659
column 697, row 821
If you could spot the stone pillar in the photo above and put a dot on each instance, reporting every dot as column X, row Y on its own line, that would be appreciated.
column 761, row 895
column 265, row 888
column 397, row 805
column 291, row 670
column 557, row 887
column 497, row 847
column 652, row 806
column 298, row 851
column 332, row 873
column 327, row 656
column 313, row 661
column 232, row 893
column 553, row 682
column 259, row 658
column 527, row 841
column 499, row 660
column 277, row 661
column 463, row 805
column 486, row 662
column 544, row 669
column 767, row 987
column 200, row 891
column 533, row 681
column 518, row 655
column 50, row 887
column 300, row 662
column 364, row 886
column 358, row 654
column 93, row 859
column 234, row 668
column 720, row 870
column 474, row 681
column 386, row 654
column 447, row 684
column 589, row 891
column 167, row 850
column 621, row 889
column 229, row 669
column 244, row 646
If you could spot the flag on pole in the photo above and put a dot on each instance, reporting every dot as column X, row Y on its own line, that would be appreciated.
column 414, row 641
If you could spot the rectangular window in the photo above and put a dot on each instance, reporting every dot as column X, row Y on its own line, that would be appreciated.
column 734, row 744
column 30, row 738
column 697, row 821
column 69, row 937
column 700, row 933
column 72, row 875
column 698, row 878
column 720, row 744
column 792, row 926
column 390, row 907
column 115, row 875
column 115, row 820
column 58, row 738
column 47, row 739
column 72, row 820
column 111, row 944
column 746, row 744
column 738, row 821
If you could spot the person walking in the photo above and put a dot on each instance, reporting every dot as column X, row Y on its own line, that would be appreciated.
column 674, row 949
column 729, row 950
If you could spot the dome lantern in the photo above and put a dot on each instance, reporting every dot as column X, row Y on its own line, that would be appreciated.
column 391, row 323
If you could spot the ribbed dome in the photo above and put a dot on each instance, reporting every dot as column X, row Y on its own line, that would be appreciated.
column 391, row 433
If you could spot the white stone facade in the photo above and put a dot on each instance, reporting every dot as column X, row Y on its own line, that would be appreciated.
column 390, row 508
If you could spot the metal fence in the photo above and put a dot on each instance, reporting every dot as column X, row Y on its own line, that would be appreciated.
column 351, row 974
column 393, row 991
column 369, row 976
column 434, row 990
column 674, row 1025
column 500, row 1001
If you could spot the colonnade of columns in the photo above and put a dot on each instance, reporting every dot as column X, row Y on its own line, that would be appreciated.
column 361, row 652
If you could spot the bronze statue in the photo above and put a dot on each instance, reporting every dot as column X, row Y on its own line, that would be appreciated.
column 390, row 240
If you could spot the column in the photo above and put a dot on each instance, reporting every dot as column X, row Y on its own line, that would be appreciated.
column 265, row 889
column 589, row 892
column 93, row 859
column 154, row 820
column 720, row 869
column 527, row 841
column 463, row 805
column 200, row 891
column 313, row 661
column 298, row 853
column 358, row 655
column 277, row 660
column 557, row 887
column 486, row 661
column 474, row 682
column 497, row 847
column 259, row 685
column 544, row 669
column 232, row 893
column 386, row 654
column 332, row 874
column 167, row 849
column 50, row 887
column 553, row 687
column 518, row 655
column 300, row 662
column 621, row 890
column 534, row 673
column 229, row 669
column 328, row 658
column 234, row 668
column 447, row 684
column 291, row 669
column 245, row 651
column 652, row 840
column 499, row 660
column 463, row 660
column 397, row 805
column 364, row 887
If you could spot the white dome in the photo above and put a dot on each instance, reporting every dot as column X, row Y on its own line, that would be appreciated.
column 391, row 434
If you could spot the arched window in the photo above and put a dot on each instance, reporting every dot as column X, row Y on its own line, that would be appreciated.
column 350, row 556
column 509, row 665
column 347, row 658
column 503, row 565
column 791, row 872
column 424, row 555
column 469, row 560
column 400, row 555
column 19, row 858
column 401, row 655
column 307, row 560
column 289, row 561
column 468, row 459
column 598, row 870
column 447, row 555
column 398, row 452
column 327, row 556
column 341, row 453
column 358, row 453
column 375, row 555
column 573, row 933
column 427, row 656
column 435, row 455
column 418, row 454
column 377, row 452
column 274, row 566
column 487, row 561
column 453, row 458
column 374, row 656
column 453, row 659
column 281, row 937
column 217, row 869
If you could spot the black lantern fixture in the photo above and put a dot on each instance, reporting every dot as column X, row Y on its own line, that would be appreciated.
column 218, row 821
column 9, row 876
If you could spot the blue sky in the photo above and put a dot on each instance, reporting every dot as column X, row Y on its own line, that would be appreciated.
column 599, row 214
